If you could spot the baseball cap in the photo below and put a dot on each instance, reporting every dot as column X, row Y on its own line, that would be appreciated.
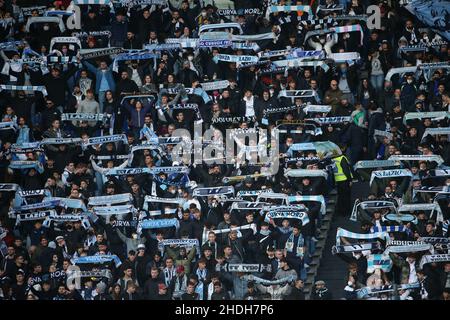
column 141, row 246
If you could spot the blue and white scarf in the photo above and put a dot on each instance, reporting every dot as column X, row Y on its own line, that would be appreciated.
column 378, row 229
column 233, row 58
column 188, row 243
column 394, row 173
column 157, row 224
column 244, row 267
column 97, row 259
column 105, row 139
column 266, row 282
column 120, row 209
column 302, row 8
column 153, row 170
column 288, row 214
column 379, row 261
column 359, row 236
column 133, row 55
column 289, row 246
column 317, row 198
column 24, row 88
column 113, row 199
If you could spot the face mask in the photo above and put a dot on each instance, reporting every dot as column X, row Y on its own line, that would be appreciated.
column 190, row 58
column 173, row 191
column 322, row 41
column 409, row 81
column 203, row 14
column 215, row 59
column 46, row 28
column 349, row 283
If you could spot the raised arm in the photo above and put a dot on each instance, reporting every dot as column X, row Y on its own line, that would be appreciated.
column 89, row 66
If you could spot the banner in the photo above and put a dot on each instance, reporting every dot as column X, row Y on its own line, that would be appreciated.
column 297, row 93
column 302, row 8
column 233, row 58
column 432, row 13
column 233, row 120
column 359, row 247
column 266, row 282
column 9, row 187
column 317, row 108
column 297, row 63
column 434, row 258
column 379, row 261
column 46, row 141
column 57, row 20
column 24, row 88
column 157, row 224
column 33, row 193
column 378, row 229
column 413, row 157
column 113, row 199
column 394, row 173
column 82, row 117
column 317, row 198
column 251, row 226
column 96, row 53
column 39, row 215
column 108, row 210
column 215, row 85
column 106, row 139
column 189, row 243
column 97, row 259
column 300, row 173
column 407, row 246
column 287, row 214
column 214, row 43
column 213, row 191
column 359, row 236
column 244, row 267
column 241, row 11
column 366, row 291
column 436, row 131
column 343, row 57
column 72, row 40
column 373, row 164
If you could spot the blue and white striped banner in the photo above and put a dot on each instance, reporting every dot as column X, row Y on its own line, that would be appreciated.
column 378, row 261
column 97, row 259
column 233, row 58
column 359, row 236
column 24, row 88
column 377, row 229
column 291, row 8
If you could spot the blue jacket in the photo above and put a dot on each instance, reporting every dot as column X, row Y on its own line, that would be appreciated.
column 137, row 117
column 99, row 76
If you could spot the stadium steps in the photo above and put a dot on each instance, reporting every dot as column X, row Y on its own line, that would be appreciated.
column 314, row 266
column 332, row 269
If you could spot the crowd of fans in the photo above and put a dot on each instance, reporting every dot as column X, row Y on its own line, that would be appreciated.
column 83, row 110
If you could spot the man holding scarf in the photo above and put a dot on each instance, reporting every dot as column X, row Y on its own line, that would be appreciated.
column 295, row 250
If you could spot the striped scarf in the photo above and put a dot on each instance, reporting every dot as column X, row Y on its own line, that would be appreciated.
column 378, row 229
column 359, row 236
column 24, row 88
column 302, row 8
column 299, row 250
column 379, row 261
